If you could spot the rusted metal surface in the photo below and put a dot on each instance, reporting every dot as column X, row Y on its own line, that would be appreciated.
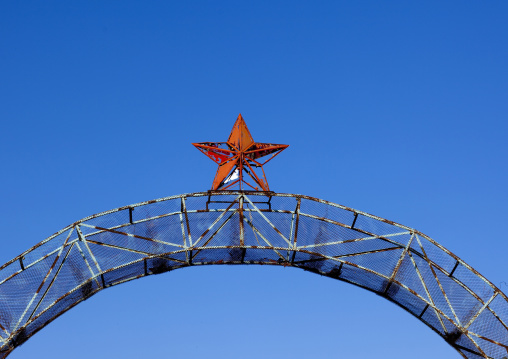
column 239, row 159
column 251, row 227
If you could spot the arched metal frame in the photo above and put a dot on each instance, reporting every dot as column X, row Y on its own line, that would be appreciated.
column 394, row 261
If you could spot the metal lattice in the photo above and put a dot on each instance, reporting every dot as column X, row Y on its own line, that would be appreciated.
column 392, row 260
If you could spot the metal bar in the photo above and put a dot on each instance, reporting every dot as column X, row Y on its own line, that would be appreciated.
column 481, row 310
column 383, row 237
column 215, row 222
column 477, row 346
column 264, row 238
column 218, row 149
column 30, row 265
column 453, row 270
column 297, row 211
column 62, row 298
column 399, row 262
column 438, row 282
column 243, row 192
column 184, row 239
column 83, row 239
column 211, row 237
column 274, row 147
column 208, row 201
column 233, row 183
column 87, row 264
column 240, row 212
column 268, row 221
column 265, row 181
column 255, row 177
column 281, row 148
column 105, row 272
column 423, row 311
column 43, row 281
column 5, row 331
column 128, row 235
column 455, row 345
column 119, row 247
column 21, row 263
column 291, row 229
column 133, row 222
column 457, row 259
column 366, row 252
column 489, row 340
column 315, row 245
column 70, row 227
column 184, row 210
column 252, row 220
column 497, row 316
column 428, row 293
column 442, row 270
column 424, row 300
column 345, row 262
column 354, row 221
column 331, row 221
column 130, row 214
column 242, row 230
column 51, row 282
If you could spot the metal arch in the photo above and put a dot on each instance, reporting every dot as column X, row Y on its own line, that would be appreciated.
column 394, row 261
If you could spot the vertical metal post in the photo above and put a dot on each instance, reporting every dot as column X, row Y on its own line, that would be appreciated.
column 423, row 311
column 184, row 210
column 297, row 211
column 453, row 270
column 242, row 228
column 354, row 221
column 240, row 211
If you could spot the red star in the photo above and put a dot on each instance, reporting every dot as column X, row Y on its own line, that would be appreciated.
column 239, row 156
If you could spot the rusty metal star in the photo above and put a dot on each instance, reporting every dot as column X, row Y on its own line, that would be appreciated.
column 238, row 159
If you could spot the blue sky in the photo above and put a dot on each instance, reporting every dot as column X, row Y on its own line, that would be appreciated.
column 395, row 108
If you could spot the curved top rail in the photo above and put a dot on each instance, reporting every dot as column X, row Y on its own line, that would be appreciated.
column 396, row 262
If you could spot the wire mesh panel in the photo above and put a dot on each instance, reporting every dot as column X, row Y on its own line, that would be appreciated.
column 394, row 261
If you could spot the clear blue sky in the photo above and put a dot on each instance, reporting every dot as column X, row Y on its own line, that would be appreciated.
column 397, row 108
